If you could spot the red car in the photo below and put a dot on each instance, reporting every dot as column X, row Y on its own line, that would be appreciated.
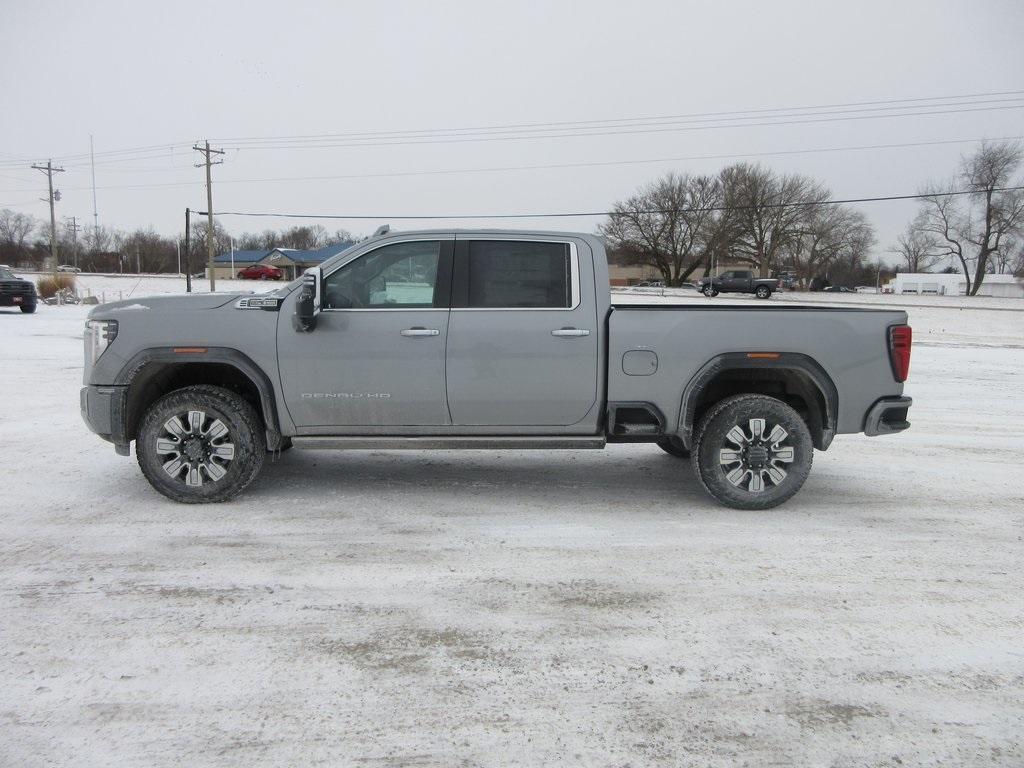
column 260, row 272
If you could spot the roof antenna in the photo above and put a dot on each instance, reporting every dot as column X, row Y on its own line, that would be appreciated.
column 383, row 229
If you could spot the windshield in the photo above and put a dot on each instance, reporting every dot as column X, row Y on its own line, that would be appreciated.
column 6, row 274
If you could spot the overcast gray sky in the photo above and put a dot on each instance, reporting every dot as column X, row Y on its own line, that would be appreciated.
column 162, row 75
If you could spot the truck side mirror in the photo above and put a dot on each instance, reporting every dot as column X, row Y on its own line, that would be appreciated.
column 308, row 305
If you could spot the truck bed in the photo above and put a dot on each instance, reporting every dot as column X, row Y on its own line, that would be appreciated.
column 850, row 345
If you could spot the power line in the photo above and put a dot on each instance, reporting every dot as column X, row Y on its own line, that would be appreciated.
column 893, row 104
column 554, row 166
column 621, row 129
column 644, row 129
column 801, row 204
column 673, row 129
column 629, row 119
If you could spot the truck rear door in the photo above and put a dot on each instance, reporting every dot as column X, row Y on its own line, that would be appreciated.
column 523, row 333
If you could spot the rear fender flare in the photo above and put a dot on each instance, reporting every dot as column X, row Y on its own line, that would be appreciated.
column 791, row 361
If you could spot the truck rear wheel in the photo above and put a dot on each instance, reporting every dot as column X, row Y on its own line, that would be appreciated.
column 200, row 444
column 752, row 452
column 763, row 292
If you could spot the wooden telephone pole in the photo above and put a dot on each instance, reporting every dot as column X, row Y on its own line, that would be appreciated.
column 74, row 226
column 209, row 162
column 49, row 170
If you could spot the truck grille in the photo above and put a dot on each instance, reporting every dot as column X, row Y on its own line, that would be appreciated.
column 11, row 288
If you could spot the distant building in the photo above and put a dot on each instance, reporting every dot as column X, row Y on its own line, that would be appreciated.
column 292, row 260
column 926, row 283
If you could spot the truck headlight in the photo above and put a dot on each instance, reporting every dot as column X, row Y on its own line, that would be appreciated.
column 98, row 335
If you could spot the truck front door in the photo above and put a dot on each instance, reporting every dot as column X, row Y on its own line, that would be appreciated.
column 523, row 333
column 376, row 357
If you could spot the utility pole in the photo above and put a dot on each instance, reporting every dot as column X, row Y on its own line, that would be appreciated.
column 208, row 155
column 74, row 227
column 49, row 170
column 188, row 251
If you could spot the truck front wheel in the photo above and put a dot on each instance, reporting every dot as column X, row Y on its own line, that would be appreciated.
column 200, row 444
column 710, row 291
column 752, row 452
column 763, row 292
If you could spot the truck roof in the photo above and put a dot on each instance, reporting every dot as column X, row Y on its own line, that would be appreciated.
column 489, row 231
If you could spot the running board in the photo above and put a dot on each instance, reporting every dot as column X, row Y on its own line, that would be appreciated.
column 453, row 443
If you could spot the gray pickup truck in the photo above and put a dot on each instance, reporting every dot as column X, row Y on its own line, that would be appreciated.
column 484, row 339
column 738, row 281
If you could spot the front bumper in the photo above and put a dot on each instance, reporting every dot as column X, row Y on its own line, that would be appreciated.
column 887, row 416
column 103, row 412
column 17, row 300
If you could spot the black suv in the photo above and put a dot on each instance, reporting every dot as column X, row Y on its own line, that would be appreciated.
column 15, row 292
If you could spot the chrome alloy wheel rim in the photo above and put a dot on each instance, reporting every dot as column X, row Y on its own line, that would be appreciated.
column 752, row 461
column 196, row 447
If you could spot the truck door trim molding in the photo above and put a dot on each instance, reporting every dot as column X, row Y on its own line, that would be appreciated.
column 792, row 361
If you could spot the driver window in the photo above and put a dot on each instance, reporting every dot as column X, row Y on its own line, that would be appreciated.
column 399, row 276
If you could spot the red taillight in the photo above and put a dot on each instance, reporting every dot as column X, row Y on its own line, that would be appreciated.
column 900, row 339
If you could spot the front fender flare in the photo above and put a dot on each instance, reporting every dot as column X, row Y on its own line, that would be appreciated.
column 222, row 355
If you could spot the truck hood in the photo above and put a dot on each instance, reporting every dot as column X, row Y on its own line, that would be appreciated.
column 188, row 302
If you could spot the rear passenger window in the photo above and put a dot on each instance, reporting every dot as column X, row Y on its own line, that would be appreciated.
column 519, row 275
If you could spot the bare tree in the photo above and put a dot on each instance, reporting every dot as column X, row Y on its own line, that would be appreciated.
column 668, row 225
column 15, row 233
column 765, row 212
column 1016, row 265
column 221, row 240
column 975, row 230
column 834, row 240
column 850, row 249
column 917, row 248
column 303, row 238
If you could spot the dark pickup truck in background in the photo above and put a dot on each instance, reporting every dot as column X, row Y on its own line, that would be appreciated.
column 16, row 292
column 738, row 281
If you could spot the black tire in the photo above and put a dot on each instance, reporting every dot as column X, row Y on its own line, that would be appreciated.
column 763, row 292
column 28, row 309
column 710, row 291
column 244, row 432
column 711, row 440
column 674, row 446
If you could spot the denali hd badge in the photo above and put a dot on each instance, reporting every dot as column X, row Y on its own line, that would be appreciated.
column 269, row 303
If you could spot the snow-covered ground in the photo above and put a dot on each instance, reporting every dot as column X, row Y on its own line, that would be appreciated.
column 519, row 608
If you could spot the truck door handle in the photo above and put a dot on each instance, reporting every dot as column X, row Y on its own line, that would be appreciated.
column 570, row 332
column 420, row 332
